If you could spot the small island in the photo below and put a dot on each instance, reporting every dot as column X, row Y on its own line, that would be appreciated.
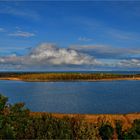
column 65, row 76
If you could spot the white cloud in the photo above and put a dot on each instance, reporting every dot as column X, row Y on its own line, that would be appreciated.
column 84, row 39
column 22, row 34
column 106, row 51
column 132, row 63
column 50, row 55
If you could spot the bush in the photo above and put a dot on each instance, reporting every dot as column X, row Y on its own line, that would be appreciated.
column 134, row 131
column 3, row 101
column 13, row 119
column 47, row 127
column 106, row 131
column 82, row 129
column 119, row 130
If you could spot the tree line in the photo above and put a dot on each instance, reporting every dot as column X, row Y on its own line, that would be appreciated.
column 33, row 76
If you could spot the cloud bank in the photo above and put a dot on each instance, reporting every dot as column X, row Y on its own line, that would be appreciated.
column 129, row 63
column 49, row 56
column 108, row 52
column 46, row 55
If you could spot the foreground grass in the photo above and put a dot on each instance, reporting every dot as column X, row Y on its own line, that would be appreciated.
column 126, row 119
column 17, row 122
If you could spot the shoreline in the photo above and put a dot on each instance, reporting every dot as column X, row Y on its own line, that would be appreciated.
column 11, row 79
column 94, row 80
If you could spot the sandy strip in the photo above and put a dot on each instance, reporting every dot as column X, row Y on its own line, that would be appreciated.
column 37, row 80
column 9, row 78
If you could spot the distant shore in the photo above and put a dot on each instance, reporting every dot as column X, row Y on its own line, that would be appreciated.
column 94, row 80
column 67, row 77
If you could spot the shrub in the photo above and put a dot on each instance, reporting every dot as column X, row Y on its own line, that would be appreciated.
column 82, row 129
column 106, row 131
column 134, row 131
column 119, row 130
column 48, row 127
column 3, row 101
column 13, row 119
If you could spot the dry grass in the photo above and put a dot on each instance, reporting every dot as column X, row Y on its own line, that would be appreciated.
column 126, row 119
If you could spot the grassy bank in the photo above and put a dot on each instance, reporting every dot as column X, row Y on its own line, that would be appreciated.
column 67, row 76
column 126, row 119
column 17, row 122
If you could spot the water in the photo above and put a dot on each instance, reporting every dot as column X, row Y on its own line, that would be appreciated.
column 75, row 97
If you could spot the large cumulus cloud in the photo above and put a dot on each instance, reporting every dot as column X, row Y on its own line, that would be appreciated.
column 49, row 55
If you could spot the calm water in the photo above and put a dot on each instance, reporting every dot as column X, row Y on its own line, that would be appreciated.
column 75, row 97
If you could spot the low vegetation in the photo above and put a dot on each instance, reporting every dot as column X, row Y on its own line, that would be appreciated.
column 27, row 76
column 16, row 122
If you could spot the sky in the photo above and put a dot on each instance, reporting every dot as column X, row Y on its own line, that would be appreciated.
column 69, row 35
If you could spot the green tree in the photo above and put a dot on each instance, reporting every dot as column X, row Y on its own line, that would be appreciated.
column 6, row 130
column 3, row 103
column 106, row 131
column 13, row 119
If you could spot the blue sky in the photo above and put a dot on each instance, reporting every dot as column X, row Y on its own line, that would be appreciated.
column 70, row 35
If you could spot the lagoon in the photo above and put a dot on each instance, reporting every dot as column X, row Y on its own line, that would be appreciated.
column 102, row 97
